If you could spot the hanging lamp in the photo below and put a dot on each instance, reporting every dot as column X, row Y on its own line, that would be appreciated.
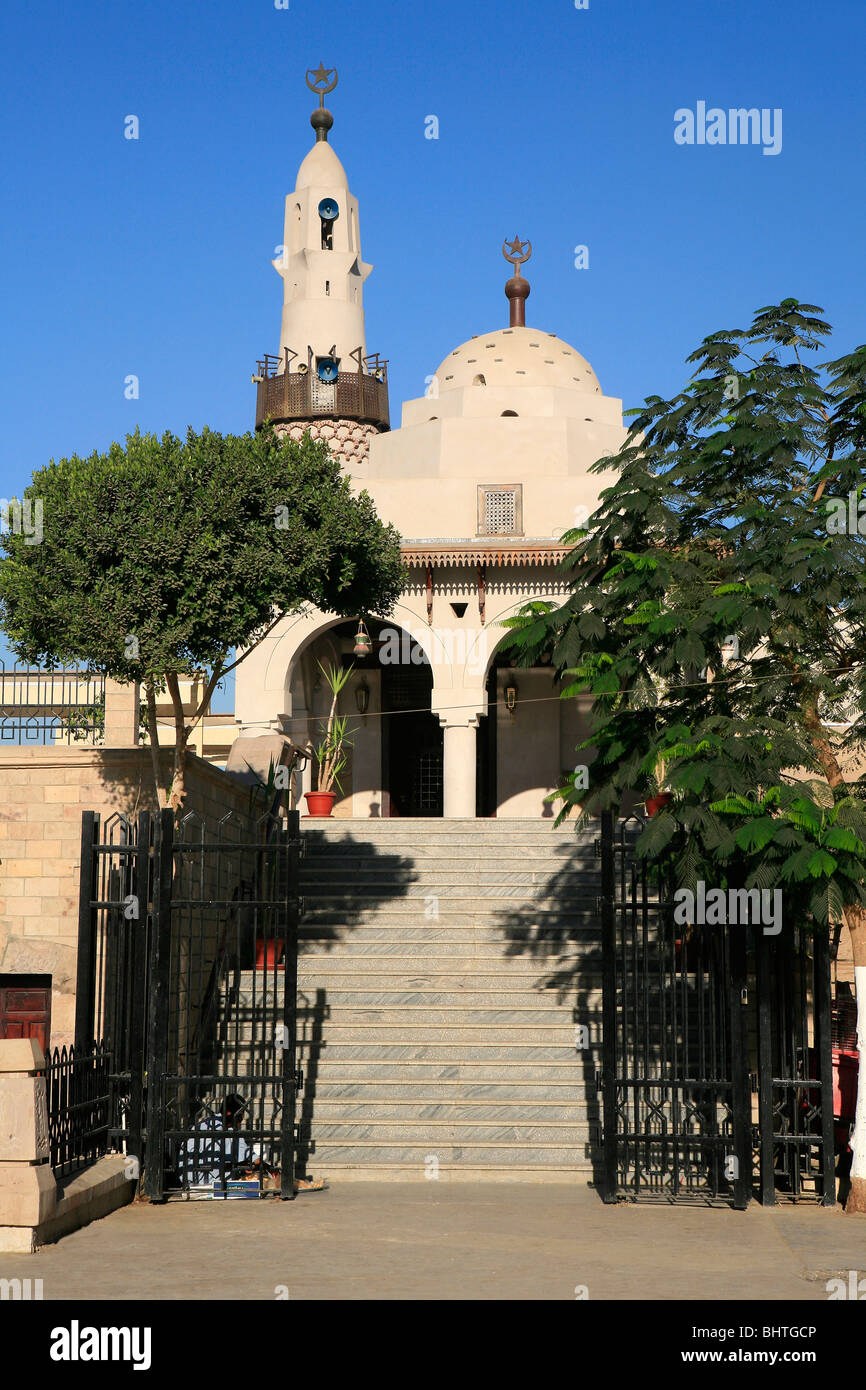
column 363, row 646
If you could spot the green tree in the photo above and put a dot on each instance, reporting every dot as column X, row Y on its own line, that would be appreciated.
column 161, row 557
column 717, row 616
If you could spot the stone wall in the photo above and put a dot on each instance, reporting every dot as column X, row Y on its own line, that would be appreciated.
column 43, row 792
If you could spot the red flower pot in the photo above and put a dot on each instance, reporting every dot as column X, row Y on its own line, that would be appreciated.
column 268, row 952
column 320, row 803
column 655, row 803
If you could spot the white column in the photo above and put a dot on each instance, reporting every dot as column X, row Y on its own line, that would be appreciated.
column 458, row 771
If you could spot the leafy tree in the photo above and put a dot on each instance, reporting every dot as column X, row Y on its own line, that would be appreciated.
column 717, row 616
column 160, row 557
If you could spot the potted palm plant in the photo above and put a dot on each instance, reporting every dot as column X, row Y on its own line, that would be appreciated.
column 332, row 751
column 658, row 797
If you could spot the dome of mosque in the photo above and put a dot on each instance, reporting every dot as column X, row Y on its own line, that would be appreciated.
column 517, row 357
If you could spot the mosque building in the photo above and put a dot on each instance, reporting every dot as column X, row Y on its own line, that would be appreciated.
column 481, row 478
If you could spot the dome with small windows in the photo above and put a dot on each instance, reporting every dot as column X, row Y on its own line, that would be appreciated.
column 514, row 357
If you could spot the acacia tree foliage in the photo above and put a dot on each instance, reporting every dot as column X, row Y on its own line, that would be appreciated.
column 717, row 618
column 160, row 557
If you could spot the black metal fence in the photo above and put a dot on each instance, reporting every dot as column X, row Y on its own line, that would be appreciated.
column 187, row 974
column 794, row 1065
column 43, row 708
column 79, row 1099
column 716, row 1048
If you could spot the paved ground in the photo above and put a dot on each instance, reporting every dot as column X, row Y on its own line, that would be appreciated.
column 449, row 1241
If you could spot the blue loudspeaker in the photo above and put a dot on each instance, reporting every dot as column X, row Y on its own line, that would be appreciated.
column 328, row 210
column 326, row 368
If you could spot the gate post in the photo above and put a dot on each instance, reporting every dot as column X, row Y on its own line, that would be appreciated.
column 138, row 991
column 740, row 1093
column 157, row 1029
column 765, row 1072
column 608, row 1011
column 824, row 1053
column 290, row 1011
column 85, row 984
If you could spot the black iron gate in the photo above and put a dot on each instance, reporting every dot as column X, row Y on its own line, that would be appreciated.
column 716, row 1048
column 188, row 975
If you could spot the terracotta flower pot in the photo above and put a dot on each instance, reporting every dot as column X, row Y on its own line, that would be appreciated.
column 655, row 803
column 320, row 803
column 269, row 953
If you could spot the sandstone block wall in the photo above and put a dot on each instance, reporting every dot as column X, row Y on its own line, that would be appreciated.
column 43, row 792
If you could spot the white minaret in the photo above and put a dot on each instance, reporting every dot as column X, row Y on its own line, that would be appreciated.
column 322, row 378
column 321, row 265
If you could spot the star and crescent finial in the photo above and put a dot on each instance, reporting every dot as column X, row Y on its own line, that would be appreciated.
column 324, row 81
column 514, row 252
column 517, row 253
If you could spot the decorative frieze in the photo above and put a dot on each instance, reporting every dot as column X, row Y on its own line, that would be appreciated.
column 348, row 440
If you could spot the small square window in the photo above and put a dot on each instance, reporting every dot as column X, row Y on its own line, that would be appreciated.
column 500, row 510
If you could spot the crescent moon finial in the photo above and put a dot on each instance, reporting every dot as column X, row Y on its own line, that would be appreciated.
column 517, row 252
column 324, row 81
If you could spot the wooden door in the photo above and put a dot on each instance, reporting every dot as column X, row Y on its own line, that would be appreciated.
column 25, row 1012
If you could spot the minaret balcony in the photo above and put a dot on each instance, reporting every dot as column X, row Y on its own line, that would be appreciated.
column 286, row 396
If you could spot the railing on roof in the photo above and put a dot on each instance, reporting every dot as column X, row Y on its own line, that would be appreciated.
column 43, row 708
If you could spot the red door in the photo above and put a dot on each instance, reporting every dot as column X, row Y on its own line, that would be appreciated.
column 25, row 1012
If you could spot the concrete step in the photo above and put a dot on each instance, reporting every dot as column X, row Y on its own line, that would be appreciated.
column 542, row 825
column 401, row 863
column 377, row 1050
column 402, row 856
column 580, row 1174
column 438, row 972
column 449, row 835
column 497, row 920
column 453, row 897
column 446, row 1131
column 363, row 972
column 373, row 999
column 490, row 1010
column 339, row 1109
column 470, row 1074
column 575, row 888
column 363, row 1048
column 499, row 938
column 496, row 859
column 326, row 1157
column 344, row 978
column 524, row 1025
column 374, row 1092
column 460, row 960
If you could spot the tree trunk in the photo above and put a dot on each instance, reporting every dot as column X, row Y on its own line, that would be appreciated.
column 178, row 779
column 153, row 731
column 181, row 737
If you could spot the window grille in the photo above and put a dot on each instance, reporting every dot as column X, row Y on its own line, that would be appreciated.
column 500, row 510
column 324, row 394
column 428, row 781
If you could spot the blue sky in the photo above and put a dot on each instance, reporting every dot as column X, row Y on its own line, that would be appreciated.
column 152, row 257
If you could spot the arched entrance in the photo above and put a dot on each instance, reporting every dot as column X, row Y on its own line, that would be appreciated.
column 412, row 740
column 525, row 740
column 396, row 761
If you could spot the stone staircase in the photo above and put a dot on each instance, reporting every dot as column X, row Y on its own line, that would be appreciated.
column 443, row 968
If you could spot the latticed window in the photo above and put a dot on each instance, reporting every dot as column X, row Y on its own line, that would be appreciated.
column 427, row 789
column 324, row 394
column 500, row 510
